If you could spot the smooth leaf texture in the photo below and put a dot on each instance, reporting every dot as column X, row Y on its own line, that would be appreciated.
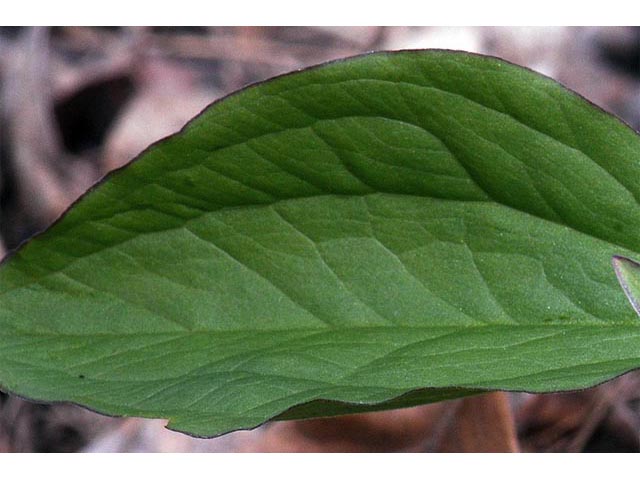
column 398, row 227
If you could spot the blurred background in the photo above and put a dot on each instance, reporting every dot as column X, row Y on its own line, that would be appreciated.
column 77, row 102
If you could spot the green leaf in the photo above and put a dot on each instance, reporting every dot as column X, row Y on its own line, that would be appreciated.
column 398, row 227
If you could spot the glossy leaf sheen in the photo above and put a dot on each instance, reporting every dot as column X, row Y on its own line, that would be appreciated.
column 401, row 227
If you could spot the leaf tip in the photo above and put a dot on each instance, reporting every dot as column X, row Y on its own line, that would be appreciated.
column 628, row 273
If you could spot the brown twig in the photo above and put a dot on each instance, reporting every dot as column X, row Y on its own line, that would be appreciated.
column 443, row 425
column 36, row 149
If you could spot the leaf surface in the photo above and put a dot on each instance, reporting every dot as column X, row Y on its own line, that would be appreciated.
column 384, row 231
